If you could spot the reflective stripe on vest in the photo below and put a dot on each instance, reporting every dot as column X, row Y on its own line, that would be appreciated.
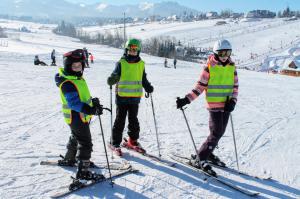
column 130, row 84
column 220, row 84
column 84, row 96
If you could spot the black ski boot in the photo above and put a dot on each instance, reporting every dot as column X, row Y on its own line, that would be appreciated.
column 203, row 165
column 213, row 159
column 70, row 162
column 83, row 172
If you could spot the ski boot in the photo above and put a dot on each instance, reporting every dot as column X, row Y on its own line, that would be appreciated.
column 203, row 165
column 116, row 149
column 215, row 160
column 134, row 145
column 83, row 172
column 67, row 160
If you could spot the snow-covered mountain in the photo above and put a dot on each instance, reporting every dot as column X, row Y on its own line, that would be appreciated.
column 65, row 9
column 143, row 9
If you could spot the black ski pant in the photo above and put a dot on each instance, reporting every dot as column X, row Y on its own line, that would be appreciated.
column 53, row 61
column 80, row 142
column 217, row 126
column 133, row 123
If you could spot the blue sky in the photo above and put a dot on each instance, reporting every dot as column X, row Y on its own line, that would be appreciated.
column 217, row 5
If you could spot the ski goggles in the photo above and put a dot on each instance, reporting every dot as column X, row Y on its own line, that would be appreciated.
column 133, row 48
column 224, row 53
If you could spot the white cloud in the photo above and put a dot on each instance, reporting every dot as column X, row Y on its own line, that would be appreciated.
column 101, row 7
column 146, row 6
column 82, row 5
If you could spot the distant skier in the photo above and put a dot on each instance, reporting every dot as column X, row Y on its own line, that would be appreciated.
column 86, row 54
column 219, row 81
column 91, row 58
column 130, row 77
column 53, row 57
column 37, row 61
column 78, row 108
column 175, row 62
column 166, row 63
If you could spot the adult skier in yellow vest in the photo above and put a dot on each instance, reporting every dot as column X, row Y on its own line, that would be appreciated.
column 78, row 107
column 130, row 77
column 219, row 81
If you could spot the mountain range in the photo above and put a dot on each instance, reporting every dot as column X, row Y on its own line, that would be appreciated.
column 63, row 9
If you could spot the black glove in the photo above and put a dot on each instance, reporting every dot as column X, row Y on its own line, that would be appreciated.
column 181, row 102
column 113, row 79
column 95, row 101
column 229, row 105
column 97, row 107
column 149, row 89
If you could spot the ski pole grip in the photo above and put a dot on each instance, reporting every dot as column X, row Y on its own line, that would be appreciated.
column 181, row 107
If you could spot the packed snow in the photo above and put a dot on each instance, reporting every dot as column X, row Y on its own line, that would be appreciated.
column 266, row 123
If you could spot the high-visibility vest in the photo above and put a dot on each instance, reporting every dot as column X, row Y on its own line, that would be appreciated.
column 220, row 83
column 84, row 96
column 130, row 84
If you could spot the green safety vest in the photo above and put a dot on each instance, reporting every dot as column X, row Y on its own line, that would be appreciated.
column 84, row 96
column 130, row 84
column 220, row 84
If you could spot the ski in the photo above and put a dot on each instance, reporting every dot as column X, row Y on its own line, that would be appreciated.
column 91, row 183
column 113, row 166
column 231, row 170
column 234, row 171
column 152, row 157
column 184, row 161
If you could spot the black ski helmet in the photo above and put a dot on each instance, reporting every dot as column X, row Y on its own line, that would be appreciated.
column 71, row 57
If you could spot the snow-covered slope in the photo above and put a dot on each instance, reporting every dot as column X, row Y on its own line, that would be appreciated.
column 32, row 128
column 252, row 41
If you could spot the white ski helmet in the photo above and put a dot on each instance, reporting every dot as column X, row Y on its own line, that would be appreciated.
column 222, row 44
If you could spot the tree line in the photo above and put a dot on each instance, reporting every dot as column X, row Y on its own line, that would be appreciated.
column 162, row 46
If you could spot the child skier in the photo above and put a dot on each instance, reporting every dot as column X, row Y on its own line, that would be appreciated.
column 219, row 80
column 130, row 77
column 91, row 57
column 78, row 107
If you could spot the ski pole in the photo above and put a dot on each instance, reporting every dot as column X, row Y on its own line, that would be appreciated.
column 236, row 155
column 192, row 138
column 111, row 122
column 155, row 124
column 112, row 184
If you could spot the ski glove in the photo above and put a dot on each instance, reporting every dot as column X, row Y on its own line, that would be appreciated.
column 181, row 102
column 229, row 105
column 113, row 79
column 97, row 107
column 149, row 89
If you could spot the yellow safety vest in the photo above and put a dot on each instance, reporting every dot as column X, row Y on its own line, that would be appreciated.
column 220, row 84
column 84, row 96
column 130, row 84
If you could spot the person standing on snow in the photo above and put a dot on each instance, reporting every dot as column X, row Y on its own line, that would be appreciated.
column 53, row 58
column 91, row 57
column 166, row 63
column 78, row 107
column 175, row 62
column 219, row 80
column 130, row 77
column 86, row 54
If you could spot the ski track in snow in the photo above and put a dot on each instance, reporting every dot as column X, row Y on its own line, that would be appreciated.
column 32, row 127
